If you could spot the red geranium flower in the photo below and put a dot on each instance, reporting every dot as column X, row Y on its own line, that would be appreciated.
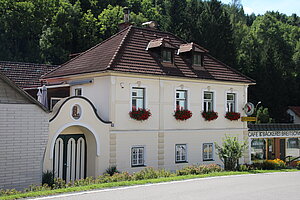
column 209, row 115
column 232, row 116
column 182, row 114
column 140, row 114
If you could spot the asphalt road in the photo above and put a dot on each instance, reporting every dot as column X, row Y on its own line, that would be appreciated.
column 273, row 186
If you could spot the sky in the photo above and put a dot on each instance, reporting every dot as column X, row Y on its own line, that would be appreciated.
column 261, row 6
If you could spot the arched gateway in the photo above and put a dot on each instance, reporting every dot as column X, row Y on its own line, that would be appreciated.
column 78, row 140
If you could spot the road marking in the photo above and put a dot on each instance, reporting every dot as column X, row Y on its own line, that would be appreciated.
column 151, row 184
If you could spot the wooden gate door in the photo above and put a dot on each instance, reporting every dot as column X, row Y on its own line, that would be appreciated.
column 70, row 157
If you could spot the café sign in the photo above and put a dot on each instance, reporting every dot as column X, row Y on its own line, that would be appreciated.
column 272, row 134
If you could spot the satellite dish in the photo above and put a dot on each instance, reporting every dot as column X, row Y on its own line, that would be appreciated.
column 249, row 109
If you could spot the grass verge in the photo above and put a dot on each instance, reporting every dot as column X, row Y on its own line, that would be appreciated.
column 139, row 182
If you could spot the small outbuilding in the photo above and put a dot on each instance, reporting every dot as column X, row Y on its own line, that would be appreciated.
column 23, row 136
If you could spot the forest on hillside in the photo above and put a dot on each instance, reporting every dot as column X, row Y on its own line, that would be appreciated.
column 264, row 47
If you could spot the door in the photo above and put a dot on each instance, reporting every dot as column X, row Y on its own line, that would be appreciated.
column 282, row 149
column 70, row 157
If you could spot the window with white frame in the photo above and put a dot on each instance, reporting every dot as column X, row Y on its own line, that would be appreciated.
column 208, row 149
column 137, row 156
column 167, row 55
column 231, row 102
column 138, row 97
column 208, row 101
column 78, row 92
column 181, row 99
column 180, row 153
column 197, row 59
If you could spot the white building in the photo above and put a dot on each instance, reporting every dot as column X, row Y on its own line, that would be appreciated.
column 143, row 68
column 294, row 112
column 23, row 132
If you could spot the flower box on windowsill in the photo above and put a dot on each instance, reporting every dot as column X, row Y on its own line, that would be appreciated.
column 233, row 116
column 182, row 114
column 209, row 115
column 140, row 114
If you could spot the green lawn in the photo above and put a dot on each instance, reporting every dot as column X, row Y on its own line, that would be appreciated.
column 139, row 182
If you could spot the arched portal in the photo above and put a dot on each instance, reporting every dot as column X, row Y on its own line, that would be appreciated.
column 70, row 150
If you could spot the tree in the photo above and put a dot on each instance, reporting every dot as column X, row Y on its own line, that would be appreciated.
column 230, row 152
column 216, row 32
column 263, row 116
column 71, row 31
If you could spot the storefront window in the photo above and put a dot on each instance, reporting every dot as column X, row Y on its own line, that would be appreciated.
column 258, row 151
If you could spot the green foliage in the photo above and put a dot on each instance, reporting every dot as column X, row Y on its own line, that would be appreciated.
column 151, row 173
column 270, row 164
column 264, row 47
column 112, row 170
column 48, row 178
column 230, row 152
column 199, row 169
column 263, row 116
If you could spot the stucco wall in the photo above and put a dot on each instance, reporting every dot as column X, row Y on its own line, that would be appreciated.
column 23, row 133
column 111, row 95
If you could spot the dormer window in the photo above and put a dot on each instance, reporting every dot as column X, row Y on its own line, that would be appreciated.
column 166, row 55
column 197, row 59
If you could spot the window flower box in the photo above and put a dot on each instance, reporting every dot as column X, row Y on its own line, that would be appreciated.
column 182, row 114
column 209, row 115
column 233, row 116
column 140, row 114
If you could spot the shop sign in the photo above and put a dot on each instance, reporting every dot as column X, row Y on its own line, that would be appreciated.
column 249, row 109
column 271, row 134
column 248, row 119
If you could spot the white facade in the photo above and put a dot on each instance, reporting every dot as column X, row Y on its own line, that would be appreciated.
column 111, row 144
column 295, row 117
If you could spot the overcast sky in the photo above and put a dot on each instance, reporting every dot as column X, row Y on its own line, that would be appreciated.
column 261, row 6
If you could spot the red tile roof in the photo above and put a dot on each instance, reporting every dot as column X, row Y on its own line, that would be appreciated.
column 127, row 52
column 25, row 75
column 295, row 109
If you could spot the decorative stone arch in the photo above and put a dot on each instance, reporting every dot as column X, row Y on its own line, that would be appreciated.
column 75, row 124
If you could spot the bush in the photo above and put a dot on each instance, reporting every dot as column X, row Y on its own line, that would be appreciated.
column 9, row 192
column 230, row 152
column 298, row 164
column 48, row 178
column 151, row 173
column 112, row 170
column 270, row 164
column 199, row 169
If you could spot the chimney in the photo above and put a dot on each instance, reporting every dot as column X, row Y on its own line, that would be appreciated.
column 126, row 22
column 150, row 24
column 126, row 14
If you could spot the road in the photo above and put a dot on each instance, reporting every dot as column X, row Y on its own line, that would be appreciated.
column 272, row 186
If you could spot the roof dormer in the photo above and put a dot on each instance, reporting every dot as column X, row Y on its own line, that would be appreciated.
column 194, row 54
column 163, row 49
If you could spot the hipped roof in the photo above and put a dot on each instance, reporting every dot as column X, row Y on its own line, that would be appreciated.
column 127, row 52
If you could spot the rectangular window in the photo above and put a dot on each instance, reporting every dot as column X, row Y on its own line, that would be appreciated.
column 78, row 92
column 293, row 143
column 208, row 101
column 208, row 151
column 167, row 55
column 231, row 102
column 138, row 97
column 180, row 153
column 181, row 99
column 53, row 101
column 197, row 59
column 137, row 156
